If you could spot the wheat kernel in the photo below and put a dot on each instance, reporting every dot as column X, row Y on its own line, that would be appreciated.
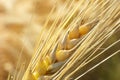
column 83, row 30
column 74, row 34
column 61, row 55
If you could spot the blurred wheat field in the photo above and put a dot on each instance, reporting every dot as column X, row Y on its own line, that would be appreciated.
column 85, row 31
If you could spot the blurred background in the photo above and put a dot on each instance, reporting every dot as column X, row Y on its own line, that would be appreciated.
column 20, row 24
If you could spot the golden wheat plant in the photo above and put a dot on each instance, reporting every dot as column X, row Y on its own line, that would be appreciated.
column 74, row 43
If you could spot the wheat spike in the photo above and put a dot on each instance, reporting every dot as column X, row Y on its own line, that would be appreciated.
column 65, row 48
